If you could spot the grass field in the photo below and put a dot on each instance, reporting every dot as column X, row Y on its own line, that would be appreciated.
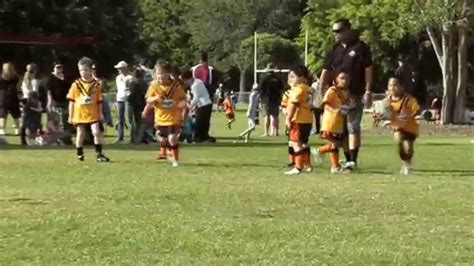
column 230, row 204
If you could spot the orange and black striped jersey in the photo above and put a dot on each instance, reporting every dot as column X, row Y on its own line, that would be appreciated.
column 167, row 109
column 87, row 99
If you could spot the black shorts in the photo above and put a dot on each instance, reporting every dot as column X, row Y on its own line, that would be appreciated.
column 406, row 135
column 230, row 116
column 300, row 132
column 271, row 109
column 165, row 131
column 13, row 110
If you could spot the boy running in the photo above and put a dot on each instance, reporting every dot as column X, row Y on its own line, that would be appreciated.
column 403, row 109
column 228, row 107
column 167, row 96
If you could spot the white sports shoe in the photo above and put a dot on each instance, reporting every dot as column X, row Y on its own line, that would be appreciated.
column 405, row 170
column 293, row 171
column 307, row 169
column 2, row 132
column 317, row 156
column 350, row 166
column 174, row 163
column 336, row 170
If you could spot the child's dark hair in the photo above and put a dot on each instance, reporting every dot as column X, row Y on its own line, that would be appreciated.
column 393, row 75
column 138, row 73
column 301, row 71
column 164, row 65
column 338, row 71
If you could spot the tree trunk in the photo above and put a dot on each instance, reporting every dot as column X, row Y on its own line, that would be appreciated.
column 462, row 77
column 242, row 84
column 449, row 90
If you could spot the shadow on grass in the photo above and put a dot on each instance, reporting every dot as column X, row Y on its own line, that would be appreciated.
column 24, row 200
column 374, row 171
column 440, row 144
column 153, row 146
column 230, row 165
column 468, row 172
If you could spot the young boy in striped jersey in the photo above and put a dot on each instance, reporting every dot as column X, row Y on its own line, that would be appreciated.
column 85, row 109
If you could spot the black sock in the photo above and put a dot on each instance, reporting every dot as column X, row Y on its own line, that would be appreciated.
column 98, row 149
column 79, row 151
column 348, row 156
column 354, row 154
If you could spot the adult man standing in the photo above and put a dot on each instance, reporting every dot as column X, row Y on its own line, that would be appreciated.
column 123, row 82
column 57, row 88
column 206, row 74
column 352, row 55
column 271, row 91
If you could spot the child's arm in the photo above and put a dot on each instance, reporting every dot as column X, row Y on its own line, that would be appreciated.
column 290, row 113
column 146, row 110
column 329, row 108
column 71, row 112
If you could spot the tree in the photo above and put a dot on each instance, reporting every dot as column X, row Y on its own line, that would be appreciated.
column 163, row 28
column 450, row 21
column 231, row 22
column 110, row 23
column 315, row 22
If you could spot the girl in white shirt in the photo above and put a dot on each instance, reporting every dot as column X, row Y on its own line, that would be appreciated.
column 30, row 82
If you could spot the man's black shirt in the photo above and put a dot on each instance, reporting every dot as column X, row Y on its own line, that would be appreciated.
column 354, row 58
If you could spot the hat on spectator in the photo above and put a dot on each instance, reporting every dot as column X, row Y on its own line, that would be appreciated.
column 121, row 64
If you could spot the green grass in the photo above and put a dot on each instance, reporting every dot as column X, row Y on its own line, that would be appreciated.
column 231, row 204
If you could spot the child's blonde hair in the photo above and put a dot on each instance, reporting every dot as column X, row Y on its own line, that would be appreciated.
column 85, row 61
column 29, row 74
column 8, row 70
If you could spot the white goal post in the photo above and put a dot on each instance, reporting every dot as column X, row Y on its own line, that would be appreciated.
column 256, row 71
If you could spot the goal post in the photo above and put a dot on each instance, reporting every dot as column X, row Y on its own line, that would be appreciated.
column 256, row 71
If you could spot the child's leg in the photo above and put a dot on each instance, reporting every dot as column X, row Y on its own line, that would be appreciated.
column 97, row 134
column 408, row 148
column 299, row 153
column 80, row 134
column 173, row 141
column 291, row 154
column 332, row 148
column 163, row 147
column 334, row 157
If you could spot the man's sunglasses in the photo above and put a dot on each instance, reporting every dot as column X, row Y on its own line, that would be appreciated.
column 341, row 30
